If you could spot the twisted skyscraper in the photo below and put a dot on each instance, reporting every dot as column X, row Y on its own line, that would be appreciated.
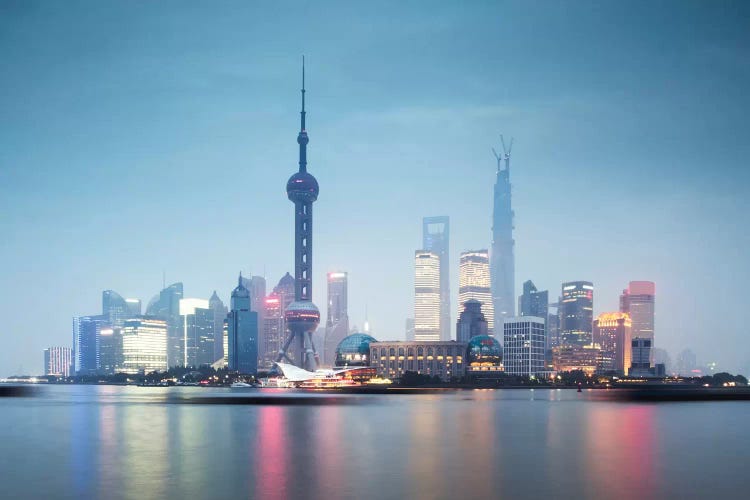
column 502, row 264
column 302, row 317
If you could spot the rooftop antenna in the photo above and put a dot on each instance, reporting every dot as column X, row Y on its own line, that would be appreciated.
column 498, row 158
column 506, row 150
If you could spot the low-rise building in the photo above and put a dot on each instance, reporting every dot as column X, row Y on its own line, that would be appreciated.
column 442, row 359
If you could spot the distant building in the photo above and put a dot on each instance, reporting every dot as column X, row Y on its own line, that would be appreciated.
column 687, row 364
column 144, row 345
column 272, row 332
column 110, row 349
column 57, row 361
column 198, row 332
column 426, row 296
column 471, row 322
column 409, row 330
column 612, row 332
column 637, row 300
column 134, row 307
column 434, row 358
column 640, row 365
column 115, row 308
column 436, row 239
column 484, row 358
column 474, row 283
column 242, row 332
column 577, row 313
column 166, row 305
column 257, row 287
column 86, row 335
column 502, row 265
column 574, row 358
column 337, row 320
column 523, row 346
column 220, row 313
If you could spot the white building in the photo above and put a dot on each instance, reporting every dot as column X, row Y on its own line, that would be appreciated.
column 474, row 283
column 144, row 345
column 523, row 345
column 58, row 361
column 426, row 296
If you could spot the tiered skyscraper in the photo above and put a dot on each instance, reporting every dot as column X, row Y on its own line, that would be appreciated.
column 502, row 264
column 436, row 239
column 474, row 283
column 302, row 317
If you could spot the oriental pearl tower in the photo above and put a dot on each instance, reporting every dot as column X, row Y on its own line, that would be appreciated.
column 302, row 317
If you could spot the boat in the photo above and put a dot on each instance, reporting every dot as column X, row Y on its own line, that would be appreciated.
column 241, row 384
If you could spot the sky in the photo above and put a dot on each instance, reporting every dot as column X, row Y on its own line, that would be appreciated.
column 146, row 138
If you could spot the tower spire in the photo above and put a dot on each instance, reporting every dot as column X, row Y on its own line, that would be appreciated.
column 302, row 138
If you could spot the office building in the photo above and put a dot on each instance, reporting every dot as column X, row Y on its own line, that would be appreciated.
column 474, row 283
column 577, row 313
column 444, row 360
column 220, row 313
column 637, row 300
column 436, row 239
column 273, row 331
column 337, row 320
column 115, row 308
column 502, row 263
column 640, row 364
column 110, row 349
column 134, row 307
column 242, row 332
column 198, row 332
column 612, row 332
column 86, row 335
column 426, row 296
column 576, row 358
column 523, row 346
column 166, row 305
column 144, row 345
column 57, row 361
column 471, row 322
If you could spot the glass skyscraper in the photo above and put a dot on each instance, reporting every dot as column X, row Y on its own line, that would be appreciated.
column 436, row 239
column 577, row 313
column 474, row 283
column 242, row 332
column 337, row 320
column 426, row 296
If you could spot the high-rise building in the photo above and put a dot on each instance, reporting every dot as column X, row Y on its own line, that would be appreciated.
column 242, row 332
column 426, row 296
column 640, row 364
column 612, row 332
column 144, row 345
column 166, row 305
column 86, row 334
column 115, row 308
column 471, row 322
column 302, row 316
column 337, row 321
column 110, row 349
column 57, row 361
column 220, row 314
column 577, row 313
column 502, row 264
column 436, row 239
column 273, row 331
column 134, row 307
column 535, row 303
column 637, row 300
column 523, row 346
column 198, row 332
column 474, row 283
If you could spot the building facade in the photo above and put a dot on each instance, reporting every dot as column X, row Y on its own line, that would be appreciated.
column 471, row 322
column 434, row 358
column 242, row 332
column 198, row 332
column 337, row 317
column 144, row 345
column 640, row 365
column 612, row 333
column 524, row 346
column 575, row 358
column 426, row 296
column 577, row 313
column 58, row 361
column 86, row 337
column 638, row 301
column 220, row 313
column 474, row 283
column 110, row 349
column 166, row 305
column 436, row 239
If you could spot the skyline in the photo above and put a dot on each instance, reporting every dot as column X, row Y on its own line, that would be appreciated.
column 90, row 155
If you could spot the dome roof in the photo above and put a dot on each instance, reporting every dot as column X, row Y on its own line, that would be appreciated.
column 302, row 186
column 287, row 279
column 484, row 349
column 354, row 350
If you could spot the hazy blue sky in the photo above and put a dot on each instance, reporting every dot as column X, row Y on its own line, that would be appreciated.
column 145, row 136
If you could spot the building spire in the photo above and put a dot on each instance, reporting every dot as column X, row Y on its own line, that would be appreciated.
column 302, row 138
column 239, row 280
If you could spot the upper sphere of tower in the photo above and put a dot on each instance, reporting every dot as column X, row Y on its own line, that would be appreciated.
column 302, row 186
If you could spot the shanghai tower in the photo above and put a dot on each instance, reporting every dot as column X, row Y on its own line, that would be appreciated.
column 502, row 264
column 302, row 317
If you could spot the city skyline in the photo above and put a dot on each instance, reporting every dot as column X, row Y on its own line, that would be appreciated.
column 63, row 183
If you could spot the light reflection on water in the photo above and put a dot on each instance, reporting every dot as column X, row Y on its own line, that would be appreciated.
column 130, row 442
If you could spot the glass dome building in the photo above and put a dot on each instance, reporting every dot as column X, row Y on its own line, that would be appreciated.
column 484, row 352
column 354, row 350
